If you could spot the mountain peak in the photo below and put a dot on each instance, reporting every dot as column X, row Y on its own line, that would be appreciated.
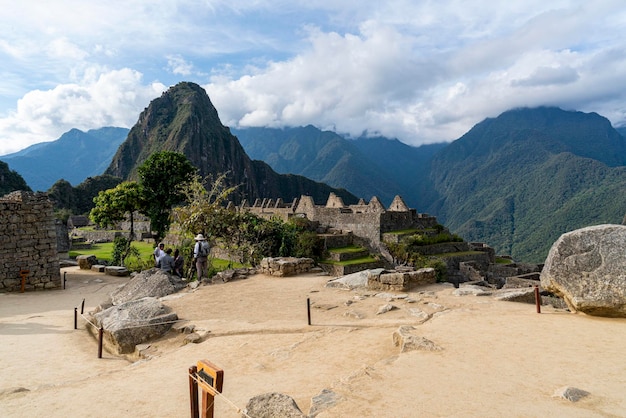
column 184, row 120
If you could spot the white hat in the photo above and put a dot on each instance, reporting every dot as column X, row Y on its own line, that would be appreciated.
column 199, row 237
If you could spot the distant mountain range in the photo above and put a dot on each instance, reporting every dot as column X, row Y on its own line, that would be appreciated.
column 73, row 157
column 366, row 166
column 516, row 182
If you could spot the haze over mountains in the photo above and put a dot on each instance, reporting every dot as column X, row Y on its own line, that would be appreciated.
column 516, row 182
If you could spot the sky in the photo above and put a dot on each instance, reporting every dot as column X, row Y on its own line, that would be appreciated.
column 420, row 71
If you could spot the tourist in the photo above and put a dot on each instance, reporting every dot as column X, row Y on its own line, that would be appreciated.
column 179, row 262
column 200, row 254
column 158, row 253
column 166, row 261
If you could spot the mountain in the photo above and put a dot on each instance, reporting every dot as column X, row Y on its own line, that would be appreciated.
column 522, row 179
column 367, row 166
column 10, row 180
column 75, row 156
column 319, row 155
column 184, row 120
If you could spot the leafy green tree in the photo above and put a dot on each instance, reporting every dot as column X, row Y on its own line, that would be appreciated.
column 112, row 205
column 162, row 175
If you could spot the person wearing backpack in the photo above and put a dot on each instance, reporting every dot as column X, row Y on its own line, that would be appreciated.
column 201, row 254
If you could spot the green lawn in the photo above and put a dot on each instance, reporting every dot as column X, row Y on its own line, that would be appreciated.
column 103, row 251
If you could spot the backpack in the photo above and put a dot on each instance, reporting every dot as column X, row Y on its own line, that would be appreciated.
column 203, row 249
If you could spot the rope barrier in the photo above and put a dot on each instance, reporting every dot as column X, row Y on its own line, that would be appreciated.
column 214, row 392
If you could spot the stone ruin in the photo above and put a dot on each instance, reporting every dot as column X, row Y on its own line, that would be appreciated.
column 28, row 242
column 368, row 221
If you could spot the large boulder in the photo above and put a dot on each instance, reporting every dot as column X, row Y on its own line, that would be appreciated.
column 587, row 268
column 133, row 322
column 149, row 283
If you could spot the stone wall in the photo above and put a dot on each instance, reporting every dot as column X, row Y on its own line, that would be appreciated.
column 400, row 281
column 28, row 242
column 286, row 266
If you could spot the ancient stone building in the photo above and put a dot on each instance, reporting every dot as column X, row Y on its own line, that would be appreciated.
column 367, row 221
column 28, row 242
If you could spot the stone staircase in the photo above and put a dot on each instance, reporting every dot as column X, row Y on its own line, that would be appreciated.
column 344, row 255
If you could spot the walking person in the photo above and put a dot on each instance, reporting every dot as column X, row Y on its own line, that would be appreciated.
column 200, row 254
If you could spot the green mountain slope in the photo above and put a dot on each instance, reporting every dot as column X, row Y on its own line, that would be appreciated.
column 320, row 155
column 10, row 180
column 366, row 166
column 519, row 181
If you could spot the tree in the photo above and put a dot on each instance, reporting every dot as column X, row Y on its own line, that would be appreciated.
column 112, row 205
column 162, row 175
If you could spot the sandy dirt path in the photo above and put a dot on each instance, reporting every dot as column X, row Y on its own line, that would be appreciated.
column 497, row 358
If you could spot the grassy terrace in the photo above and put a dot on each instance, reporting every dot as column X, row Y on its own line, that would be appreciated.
column 458, row 254
column 362, row 260
column 345, row 250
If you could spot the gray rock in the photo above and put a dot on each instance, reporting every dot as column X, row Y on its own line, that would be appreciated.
column 134, row 322
column 524, row 295
column 149, row 283
column 586, row 267
column 116, row 271
column 570, row 393
column 322, row 401
column 420, row 314
column 350, row 281
column 385, row 308
column 273, row 405
column 407, row 341
column 471, row 290
column 85, row 262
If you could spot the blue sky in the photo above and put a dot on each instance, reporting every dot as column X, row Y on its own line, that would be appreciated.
column 421, row 71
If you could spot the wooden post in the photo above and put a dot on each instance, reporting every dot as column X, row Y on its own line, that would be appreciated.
column 100, row 338
column 212, row 380
column 193, row 392
column 537, row 299
column 23, row 275
column 308, row 309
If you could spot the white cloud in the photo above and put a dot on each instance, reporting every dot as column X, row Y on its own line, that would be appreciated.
column 419, row 71
column 113, row 98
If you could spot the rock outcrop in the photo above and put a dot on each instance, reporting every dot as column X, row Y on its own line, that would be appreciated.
column 149, row 283
column 587, row 268
column 134, row 322
column 271, row 405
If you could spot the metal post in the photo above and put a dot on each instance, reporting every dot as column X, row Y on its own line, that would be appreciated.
column 64, row 279
column 537, row 299
column 82, row 307
column 308, row 310
column 100, row 334
column 75, row 318
column 193, row 392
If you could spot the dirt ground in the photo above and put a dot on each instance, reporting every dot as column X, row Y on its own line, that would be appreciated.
column 497, row 358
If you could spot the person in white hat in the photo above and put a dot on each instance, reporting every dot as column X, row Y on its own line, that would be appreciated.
column 201, row 254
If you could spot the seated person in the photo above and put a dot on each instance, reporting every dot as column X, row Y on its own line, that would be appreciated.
column 166, row 262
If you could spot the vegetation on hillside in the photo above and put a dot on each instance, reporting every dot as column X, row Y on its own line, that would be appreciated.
column 10, row 180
